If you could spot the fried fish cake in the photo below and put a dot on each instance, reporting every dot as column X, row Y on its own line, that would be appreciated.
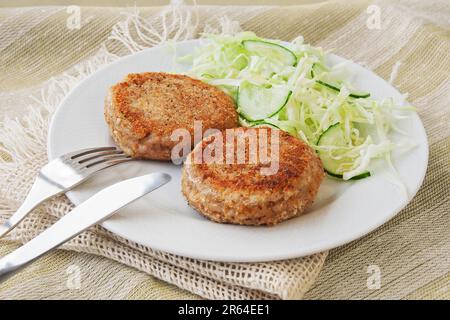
column 241, row 193
column 143, row 110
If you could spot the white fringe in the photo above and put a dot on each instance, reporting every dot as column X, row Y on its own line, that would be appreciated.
column 394, row 72
column 176, row 22
column 226, row 26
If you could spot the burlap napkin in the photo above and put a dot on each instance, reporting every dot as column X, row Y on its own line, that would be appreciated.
column 395, row 52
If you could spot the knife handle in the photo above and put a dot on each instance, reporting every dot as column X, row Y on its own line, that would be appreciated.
column 94, row 210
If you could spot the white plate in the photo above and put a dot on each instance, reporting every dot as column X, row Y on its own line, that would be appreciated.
column 344, row 211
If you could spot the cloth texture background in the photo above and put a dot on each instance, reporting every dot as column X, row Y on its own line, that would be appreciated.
column 42, row 60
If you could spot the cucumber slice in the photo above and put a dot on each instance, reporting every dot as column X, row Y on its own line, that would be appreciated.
column 340, row 176
column 256, row 103
column 353, row 94
column 360, row 94
column 289, row 129
column 336, row 87
column 335, row 137
column 270, row 49
column 259, row 124
column 270, row 123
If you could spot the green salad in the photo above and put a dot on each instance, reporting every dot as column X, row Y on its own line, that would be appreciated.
column 290, row 86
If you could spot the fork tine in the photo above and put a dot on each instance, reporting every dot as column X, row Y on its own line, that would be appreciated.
column 90, row 157
column 109, row 163
column 101, row 160
column 83, row 152
column 62, row 174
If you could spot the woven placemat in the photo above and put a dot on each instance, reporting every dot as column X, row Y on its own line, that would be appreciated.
column 36, row 44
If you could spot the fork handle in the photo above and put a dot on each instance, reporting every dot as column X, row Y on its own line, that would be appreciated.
column 39, row 192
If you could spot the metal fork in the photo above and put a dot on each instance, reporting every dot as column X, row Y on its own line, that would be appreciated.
column 61, row 175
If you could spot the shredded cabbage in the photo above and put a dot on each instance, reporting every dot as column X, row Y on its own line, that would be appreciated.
column 312, row 108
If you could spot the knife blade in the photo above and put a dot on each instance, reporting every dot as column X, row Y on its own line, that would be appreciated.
column 94, row 210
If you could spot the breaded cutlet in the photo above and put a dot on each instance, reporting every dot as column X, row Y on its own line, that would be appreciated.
column 240, row 193
column 144, row 109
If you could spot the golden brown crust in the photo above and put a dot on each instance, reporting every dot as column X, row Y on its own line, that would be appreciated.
column 144, row 110
column 241, row 194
